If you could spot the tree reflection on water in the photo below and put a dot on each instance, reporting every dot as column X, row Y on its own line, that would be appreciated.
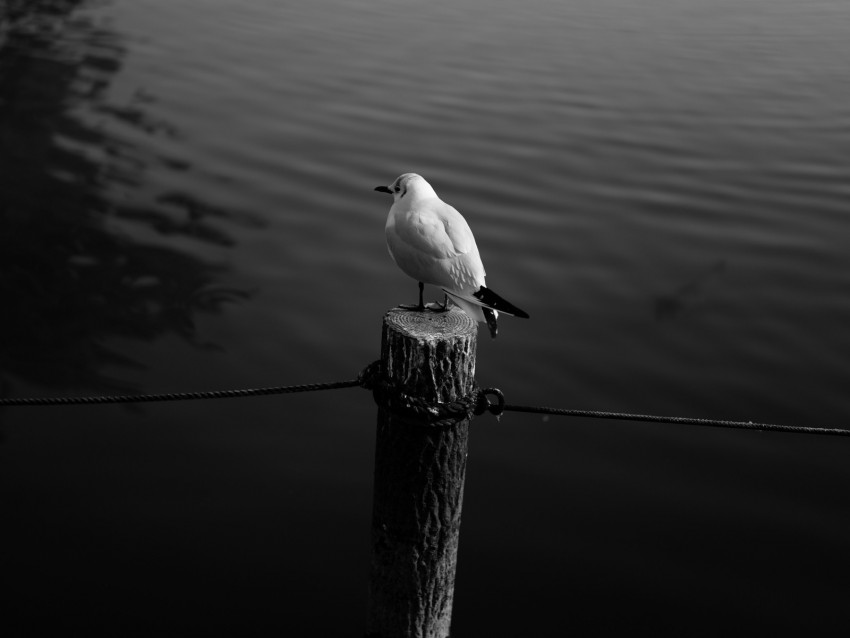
column 69, row 284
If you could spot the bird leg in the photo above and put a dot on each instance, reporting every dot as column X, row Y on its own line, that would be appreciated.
column 421, row 305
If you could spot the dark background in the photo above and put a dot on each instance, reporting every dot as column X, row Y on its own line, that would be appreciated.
column 186, row 204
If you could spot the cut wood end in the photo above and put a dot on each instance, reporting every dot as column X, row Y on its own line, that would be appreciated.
column 428, row 324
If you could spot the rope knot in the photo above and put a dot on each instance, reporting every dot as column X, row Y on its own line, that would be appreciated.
column 388, row 395
column 370, row 375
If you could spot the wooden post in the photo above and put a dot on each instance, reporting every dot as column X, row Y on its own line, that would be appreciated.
column 419, row 475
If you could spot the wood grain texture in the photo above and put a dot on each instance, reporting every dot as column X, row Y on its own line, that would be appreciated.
column 419, row 476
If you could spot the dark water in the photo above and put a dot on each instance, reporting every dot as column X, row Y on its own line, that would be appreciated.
column 186, row 201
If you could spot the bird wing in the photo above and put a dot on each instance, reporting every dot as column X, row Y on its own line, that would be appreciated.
column 432, row 242
column 436, row 229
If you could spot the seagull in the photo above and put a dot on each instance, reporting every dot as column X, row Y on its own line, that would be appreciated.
column 431, row 242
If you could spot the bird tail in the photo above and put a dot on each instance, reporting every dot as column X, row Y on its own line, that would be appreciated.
column 490, row 316
column 488, row 299
column 485, row 305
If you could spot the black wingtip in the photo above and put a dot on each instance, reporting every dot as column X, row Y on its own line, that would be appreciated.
column 494, row 301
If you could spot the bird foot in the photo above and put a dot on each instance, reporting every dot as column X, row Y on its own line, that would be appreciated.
column 433, row 306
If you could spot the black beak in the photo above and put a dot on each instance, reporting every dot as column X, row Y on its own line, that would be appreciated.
column 383, row 189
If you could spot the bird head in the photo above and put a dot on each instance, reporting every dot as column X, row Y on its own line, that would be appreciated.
column 408, row 184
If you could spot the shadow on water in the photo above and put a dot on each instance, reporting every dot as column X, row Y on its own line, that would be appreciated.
column 68, row 282
column 672, row 305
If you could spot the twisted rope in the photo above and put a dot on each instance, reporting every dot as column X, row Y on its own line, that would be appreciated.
column 178, row 396
column 388, row 394
column 681, row 420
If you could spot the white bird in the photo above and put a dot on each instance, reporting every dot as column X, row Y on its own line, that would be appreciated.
column 431, row 242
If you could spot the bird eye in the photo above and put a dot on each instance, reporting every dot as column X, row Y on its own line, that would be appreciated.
column 397, row 189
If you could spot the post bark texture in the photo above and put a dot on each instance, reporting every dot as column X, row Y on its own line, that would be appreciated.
column 419, row 476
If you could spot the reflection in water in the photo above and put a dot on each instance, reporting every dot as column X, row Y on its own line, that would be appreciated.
column 67, row 282
column 671, row 305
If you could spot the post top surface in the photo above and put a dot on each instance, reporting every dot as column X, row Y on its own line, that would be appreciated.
column 428, row 324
